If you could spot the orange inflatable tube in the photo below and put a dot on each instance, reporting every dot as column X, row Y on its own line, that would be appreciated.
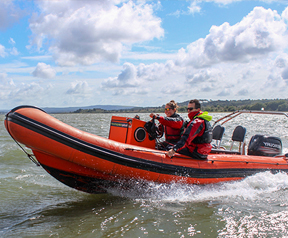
column 94, row 164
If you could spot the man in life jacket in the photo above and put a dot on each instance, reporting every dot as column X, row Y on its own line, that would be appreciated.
column 195, row 142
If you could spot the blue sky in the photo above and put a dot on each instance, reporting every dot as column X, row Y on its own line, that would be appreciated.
column 141, row 53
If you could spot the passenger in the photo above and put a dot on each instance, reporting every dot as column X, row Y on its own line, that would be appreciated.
column 171, row 125
column 195, row 142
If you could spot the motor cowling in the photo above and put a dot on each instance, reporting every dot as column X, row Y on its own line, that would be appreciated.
column 265, row 146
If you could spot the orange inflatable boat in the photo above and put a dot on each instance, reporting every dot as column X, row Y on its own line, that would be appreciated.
column 94, row 164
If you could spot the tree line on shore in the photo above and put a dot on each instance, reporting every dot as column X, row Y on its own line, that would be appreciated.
column 207, row 105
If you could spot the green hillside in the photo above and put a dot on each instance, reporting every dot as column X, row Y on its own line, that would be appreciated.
column 207, row 105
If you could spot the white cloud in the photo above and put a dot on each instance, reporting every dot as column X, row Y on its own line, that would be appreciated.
column 6, row 85
column 148, row 56
column 232, row 61
column 285, row 74
column 285, row 14
column 14, row 94
column 260, row 32
column 203, row 75
column 44, row 71
column 274, row 81
column 5, row 82
column 11, row 41
column 172, row 89
column 9, row 13
column 243, row 92
column 85, row 32
column 79, row 88
column 131, row 92
column 2, row 51
column 5, row 52
column 137, row 79
column 127, row 78
column 280, row 62
column 155, row 71
column 14, row 51
column 224, row 2
column 224, row 93
column 194, row 7
column 26, row 93
column 244, row 60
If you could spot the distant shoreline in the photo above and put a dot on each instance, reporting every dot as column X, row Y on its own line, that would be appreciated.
column 207, row 105
column 210, row 106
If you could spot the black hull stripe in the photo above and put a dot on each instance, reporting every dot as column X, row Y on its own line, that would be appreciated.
column 80, row 182
column 128, row 161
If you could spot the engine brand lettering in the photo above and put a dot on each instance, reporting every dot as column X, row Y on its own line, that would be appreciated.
column 272, row 145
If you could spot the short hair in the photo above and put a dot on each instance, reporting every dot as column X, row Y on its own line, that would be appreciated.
column 196, row 102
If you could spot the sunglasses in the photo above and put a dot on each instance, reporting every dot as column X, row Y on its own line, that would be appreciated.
column 190, row 108
column 167, row 109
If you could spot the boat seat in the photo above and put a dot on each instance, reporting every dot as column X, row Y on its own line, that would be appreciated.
column 218, row 132
column 239, row 136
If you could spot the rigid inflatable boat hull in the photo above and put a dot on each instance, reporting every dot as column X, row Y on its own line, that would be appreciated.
column 94, row 164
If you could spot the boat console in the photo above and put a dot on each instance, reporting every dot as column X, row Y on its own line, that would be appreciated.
column 130, row 131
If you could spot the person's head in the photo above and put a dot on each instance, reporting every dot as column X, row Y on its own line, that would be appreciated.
column 193, row 106
column 170, row 108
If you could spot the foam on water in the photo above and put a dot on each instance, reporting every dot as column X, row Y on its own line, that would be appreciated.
column 250, row 188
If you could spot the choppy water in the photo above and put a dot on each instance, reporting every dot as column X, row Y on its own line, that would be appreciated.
column 33, row 204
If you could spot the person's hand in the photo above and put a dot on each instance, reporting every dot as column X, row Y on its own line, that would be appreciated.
column 170, row 153
column 152, row 115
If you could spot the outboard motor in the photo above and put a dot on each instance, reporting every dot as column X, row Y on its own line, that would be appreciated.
column 265, row 146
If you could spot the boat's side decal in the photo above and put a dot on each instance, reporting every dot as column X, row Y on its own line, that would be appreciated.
column 125, row 160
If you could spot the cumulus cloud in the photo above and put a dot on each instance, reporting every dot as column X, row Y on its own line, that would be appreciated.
column 172, row 89
column 155, row 71
column 135, row 76
column 280, row 62
column 44, row 71
column 285, row 14
column 246, row 75
column 5, row 82
column 224, row 93
column 26, row 92
column 243, row 92
column 6, row 85
column 203, row 75
column 5, row 52
column 79, row 88
column 85, row 32
column 262, row 31
column 274, row 81
column 285, row 74
column 249, row 54
column 127, row 78
column 194, row 7
column 130, row 91
column 136, row 79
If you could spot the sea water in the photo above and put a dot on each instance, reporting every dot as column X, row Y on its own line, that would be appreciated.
column 34, row 204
